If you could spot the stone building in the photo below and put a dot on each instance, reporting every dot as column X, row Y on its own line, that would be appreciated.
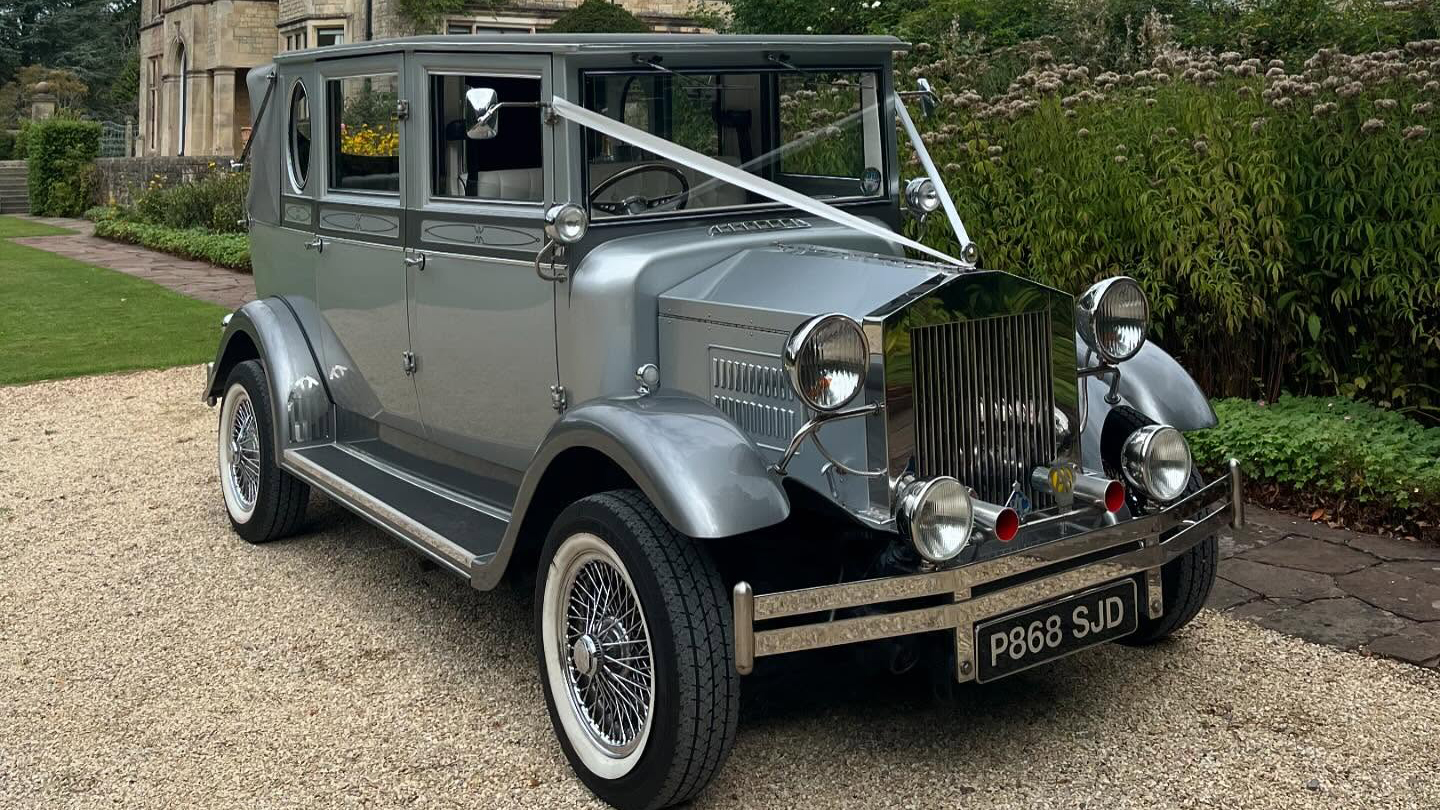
column 194, row 54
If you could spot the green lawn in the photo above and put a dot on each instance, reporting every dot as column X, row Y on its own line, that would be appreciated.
column 10, row 227
column 63, row 318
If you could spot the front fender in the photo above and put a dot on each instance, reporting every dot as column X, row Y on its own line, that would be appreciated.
column 299, row 399
column 1153, row 383
column 703, row 474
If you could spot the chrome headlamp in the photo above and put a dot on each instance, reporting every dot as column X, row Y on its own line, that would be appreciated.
column 1113, row 317
column 1156, row 459
column 921, row 197
column 826, row 358
column 938, row 517
column 566, row 223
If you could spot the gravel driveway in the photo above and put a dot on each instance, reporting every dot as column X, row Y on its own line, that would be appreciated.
column 148, row 658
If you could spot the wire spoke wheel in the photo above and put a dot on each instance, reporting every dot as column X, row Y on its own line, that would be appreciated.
column 636, row 651
column 240, row 459
column 604, row 650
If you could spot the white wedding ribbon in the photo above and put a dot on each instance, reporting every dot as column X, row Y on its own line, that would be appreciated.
column 735, row 177
column 925, row 161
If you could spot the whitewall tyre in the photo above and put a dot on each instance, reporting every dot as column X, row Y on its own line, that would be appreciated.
column 636, row 652
column 263, row 501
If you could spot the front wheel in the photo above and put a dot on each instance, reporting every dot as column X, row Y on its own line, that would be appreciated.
column 1185, row 581
column 263, row 501
column 636, row 652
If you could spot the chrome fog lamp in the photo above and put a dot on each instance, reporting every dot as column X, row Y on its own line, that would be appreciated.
column 566, row 223
column 938, row 517
column 826, row 358
column 1113, row 317
column 1156, row 459
column 921, row 197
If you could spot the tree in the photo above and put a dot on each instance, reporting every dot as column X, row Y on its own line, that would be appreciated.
column 87, row 38
column 599, row 17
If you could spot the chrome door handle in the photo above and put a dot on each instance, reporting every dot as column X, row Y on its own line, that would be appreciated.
column 417, row 261
column 317, row 245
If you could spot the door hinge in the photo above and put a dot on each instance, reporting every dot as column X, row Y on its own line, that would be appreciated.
column 402, row 109
column 558, row 398
column 407, row 360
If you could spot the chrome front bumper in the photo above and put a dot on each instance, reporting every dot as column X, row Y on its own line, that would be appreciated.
column 1134, row 548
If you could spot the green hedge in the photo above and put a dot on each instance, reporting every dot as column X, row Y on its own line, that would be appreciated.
column 1334, row 453
column 7, row 145
column 225, row 249
column 61, row 154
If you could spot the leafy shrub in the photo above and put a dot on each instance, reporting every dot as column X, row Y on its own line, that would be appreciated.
column 61, row 154
column 599, row 17
column 225, row 249
column 1281, row 218
column 7, row 144
column 101, row 213
column 1327, row 451
column 215, row 202
column 22, row 136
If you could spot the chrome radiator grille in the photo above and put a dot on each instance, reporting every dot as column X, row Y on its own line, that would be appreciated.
column 984, row 401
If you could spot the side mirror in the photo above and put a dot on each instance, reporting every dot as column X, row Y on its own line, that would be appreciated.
column 481, row 106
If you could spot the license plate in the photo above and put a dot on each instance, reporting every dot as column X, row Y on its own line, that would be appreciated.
column 1022, row 640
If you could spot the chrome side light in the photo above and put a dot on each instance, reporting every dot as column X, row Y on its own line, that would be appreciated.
column 566, row 223
column 921, row 197
column 826, row 358
column 1156, row 458
column 937, row 516
column 1113, row 317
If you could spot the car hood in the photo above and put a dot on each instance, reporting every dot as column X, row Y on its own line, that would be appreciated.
column 777, row 286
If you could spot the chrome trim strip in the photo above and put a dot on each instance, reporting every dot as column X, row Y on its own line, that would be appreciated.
column 962, row 614
column 381, row 514
column 420, row 483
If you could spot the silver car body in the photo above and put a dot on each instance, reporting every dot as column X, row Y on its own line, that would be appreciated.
column 430, row 371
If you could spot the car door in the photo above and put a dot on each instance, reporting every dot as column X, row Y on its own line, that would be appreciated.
column 482, row 320
column 361, row 274
column 285, row 257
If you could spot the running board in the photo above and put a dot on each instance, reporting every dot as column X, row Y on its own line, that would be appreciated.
column 427, row 517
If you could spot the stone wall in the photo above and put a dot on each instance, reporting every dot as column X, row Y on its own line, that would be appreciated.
column 121, row 180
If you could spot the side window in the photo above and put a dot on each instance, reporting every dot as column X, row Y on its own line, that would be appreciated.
column 506, row 167
column 299, row 137
column 364, row 133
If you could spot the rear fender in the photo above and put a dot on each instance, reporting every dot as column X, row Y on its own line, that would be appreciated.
column 269, row 331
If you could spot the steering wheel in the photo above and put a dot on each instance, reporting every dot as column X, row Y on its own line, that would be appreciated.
column 638, row 203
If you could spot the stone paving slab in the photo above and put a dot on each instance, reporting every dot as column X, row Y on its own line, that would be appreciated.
column 1402, row 595
column 207, row 282
column 1346, row 622
column 1277, row 581
column 1378, row 595
column 1416, row 645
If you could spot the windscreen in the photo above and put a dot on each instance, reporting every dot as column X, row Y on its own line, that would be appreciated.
column 815, row 132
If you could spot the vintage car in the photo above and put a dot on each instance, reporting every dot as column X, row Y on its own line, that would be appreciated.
column 634, row 317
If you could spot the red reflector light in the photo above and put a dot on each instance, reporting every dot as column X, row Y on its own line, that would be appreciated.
column 1114, row 496
column 1007, row 525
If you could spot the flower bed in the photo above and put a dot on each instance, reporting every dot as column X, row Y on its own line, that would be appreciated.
column 225, row 249
column 1280, row 216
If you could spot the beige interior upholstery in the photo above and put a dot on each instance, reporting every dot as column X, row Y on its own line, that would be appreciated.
column 518, row 185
